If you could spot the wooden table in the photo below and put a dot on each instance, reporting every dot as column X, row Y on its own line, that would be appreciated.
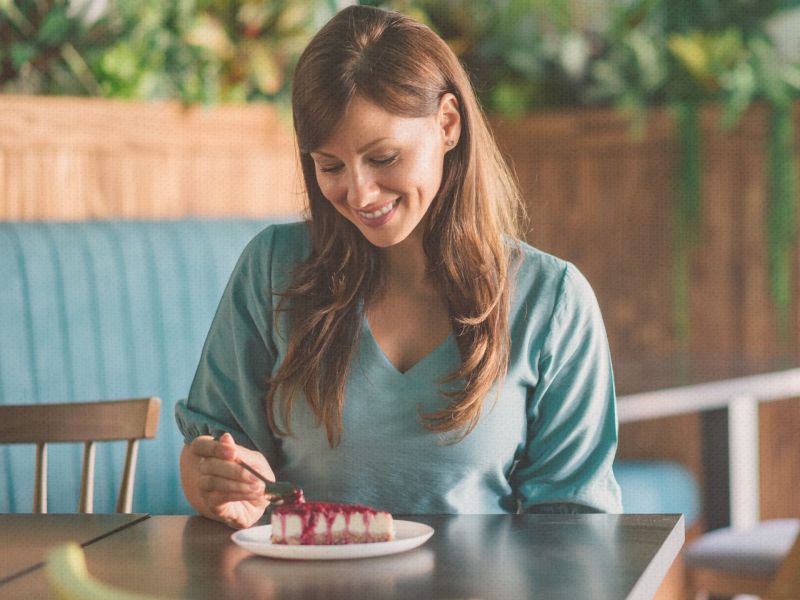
column 572, row 557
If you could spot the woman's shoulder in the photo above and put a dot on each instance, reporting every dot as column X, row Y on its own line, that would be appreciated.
column 533, row 264
column 540, row 275
column 285, row 239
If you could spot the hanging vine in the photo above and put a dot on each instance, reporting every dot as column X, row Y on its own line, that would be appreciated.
column 781, row 218
column 686, row 214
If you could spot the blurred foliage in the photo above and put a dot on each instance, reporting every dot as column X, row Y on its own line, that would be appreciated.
column 257, row 44
column 529, row 54
column 204, row 51
column 522, row 54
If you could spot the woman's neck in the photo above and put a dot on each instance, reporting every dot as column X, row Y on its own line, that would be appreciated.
column 405, row 265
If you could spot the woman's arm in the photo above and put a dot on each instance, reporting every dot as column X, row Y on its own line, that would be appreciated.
column 572, row 427
column 223, row 418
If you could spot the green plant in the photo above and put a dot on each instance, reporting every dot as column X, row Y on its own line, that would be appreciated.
column 256, row 44
column 50, row 46
column 132, row 49
column 204, row 51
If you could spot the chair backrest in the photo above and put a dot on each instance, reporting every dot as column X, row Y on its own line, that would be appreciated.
column 786, row 585
column 87, row 422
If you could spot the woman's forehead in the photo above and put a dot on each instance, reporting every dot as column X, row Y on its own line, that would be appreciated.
column 365, row 123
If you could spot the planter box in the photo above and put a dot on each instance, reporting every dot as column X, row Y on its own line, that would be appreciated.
column 88, row 158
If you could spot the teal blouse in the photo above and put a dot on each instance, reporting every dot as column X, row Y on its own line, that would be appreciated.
column 547, row 436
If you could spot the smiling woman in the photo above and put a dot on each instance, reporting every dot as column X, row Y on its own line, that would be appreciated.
column 385, row 187
column 402, row 347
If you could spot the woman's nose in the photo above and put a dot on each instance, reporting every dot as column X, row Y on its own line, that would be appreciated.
column 361, row 189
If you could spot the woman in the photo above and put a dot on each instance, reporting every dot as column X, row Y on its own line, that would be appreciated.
column 401, row 348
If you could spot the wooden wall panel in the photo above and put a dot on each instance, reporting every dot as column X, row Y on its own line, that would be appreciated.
column 80, row 158
column 603, row 201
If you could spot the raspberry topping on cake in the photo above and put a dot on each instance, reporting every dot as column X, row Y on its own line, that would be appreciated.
column 325, row 523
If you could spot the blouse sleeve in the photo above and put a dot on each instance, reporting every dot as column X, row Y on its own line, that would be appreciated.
column 572, row 423
column 229, row 386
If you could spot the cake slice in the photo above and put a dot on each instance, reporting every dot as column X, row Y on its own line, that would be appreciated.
column 325, row 523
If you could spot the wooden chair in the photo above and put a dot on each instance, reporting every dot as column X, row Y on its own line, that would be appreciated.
column 87, row 422
column 762, row 561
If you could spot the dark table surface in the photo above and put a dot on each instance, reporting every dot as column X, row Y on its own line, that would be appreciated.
column 469, row 556
column 25, row 538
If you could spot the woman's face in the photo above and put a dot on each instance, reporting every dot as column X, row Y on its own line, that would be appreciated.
column 381, row 171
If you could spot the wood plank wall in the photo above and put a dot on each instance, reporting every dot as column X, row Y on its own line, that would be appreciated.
column 69, row 159
column 595, row 195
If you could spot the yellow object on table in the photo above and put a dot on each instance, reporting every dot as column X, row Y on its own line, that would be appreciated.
column 69, row 579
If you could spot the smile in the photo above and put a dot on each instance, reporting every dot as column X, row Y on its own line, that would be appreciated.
column 377, row 214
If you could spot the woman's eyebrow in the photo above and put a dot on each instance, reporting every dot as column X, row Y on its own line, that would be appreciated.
column 361, row 150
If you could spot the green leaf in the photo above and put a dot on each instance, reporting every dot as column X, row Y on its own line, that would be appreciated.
column 512, row 99
column 740, row 87
column 22, row 53
column 264, row 70
column 55, row 28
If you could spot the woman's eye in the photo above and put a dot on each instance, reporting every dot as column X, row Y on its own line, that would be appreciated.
column 330, row 169
column 384, row 161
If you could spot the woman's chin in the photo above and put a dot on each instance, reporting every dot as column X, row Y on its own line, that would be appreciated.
column 385, row 238
column 383, row 241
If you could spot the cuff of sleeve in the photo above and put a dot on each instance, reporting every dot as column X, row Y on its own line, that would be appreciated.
column 561, row 508
column 192, row 423
column 604, row 497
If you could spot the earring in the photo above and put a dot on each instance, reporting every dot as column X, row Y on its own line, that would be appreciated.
column 451, row 142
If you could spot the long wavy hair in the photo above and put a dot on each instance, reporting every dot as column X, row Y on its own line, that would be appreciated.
column 469, row 236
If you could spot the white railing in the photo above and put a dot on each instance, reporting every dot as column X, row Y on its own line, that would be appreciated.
column 741, row 396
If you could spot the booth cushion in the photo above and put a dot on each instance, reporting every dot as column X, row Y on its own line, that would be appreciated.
column 654, row 486
column 120, row 309
column 105, row 310
column 756, row 551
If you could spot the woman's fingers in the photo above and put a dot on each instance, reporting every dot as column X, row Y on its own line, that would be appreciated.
column 221, row 499
column 214, row 483
column 207, row 447
column 224, row 485
column 226, row 469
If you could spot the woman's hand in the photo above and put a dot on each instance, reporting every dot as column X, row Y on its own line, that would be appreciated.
column 218, row 487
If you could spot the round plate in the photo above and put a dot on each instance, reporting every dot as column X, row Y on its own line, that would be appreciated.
column 407, row 535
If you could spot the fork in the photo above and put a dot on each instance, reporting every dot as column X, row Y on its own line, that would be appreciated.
column 276, row 491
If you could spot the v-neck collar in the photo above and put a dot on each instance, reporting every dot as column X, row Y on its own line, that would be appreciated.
column 367, row 334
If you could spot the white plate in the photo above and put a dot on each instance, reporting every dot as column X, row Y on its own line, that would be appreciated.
column 407, row 535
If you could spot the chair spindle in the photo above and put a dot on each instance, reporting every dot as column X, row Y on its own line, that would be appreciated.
column 40, row 485
column 125, row 498
column 86, row 504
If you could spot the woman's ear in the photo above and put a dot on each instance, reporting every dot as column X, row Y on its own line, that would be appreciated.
column 449, row 120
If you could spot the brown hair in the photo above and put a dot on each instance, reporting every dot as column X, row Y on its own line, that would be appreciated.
column 470, row 229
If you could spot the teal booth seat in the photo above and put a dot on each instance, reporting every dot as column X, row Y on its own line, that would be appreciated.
column 120, row 309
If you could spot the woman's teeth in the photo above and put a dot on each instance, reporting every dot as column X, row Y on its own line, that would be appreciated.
column 378, row 213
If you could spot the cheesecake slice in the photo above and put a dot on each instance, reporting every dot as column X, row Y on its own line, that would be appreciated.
column 325, row 523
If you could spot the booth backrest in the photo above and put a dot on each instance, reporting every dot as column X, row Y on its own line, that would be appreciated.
column 99, row 310
column 105, row 310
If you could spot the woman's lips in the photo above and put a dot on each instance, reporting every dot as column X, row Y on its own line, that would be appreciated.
column 380, row 216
